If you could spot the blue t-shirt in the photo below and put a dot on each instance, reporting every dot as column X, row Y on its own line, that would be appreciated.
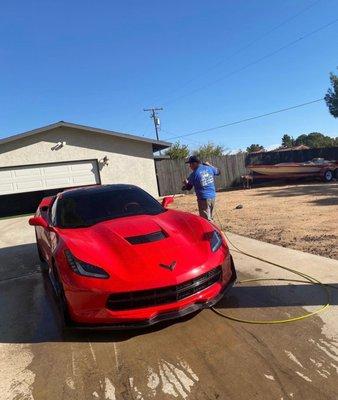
column 202, row 179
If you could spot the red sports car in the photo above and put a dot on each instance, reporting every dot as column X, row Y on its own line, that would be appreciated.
column 116, row 257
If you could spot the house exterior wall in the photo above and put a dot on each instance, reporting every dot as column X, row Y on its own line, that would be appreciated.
column 129, row 161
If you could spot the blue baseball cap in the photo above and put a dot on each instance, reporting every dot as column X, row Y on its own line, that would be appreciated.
column 193, row 159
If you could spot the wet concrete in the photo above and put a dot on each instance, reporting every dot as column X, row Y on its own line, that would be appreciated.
column 202, row 357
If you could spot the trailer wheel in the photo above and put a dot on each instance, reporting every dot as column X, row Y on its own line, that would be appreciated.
column 328, row 176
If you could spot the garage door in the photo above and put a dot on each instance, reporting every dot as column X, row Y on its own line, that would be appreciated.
column 48, row 176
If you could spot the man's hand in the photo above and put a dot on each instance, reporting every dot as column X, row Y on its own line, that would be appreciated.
column 186, row 185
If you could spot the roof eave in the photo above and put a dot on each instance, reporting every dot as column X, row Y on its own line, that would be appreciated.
column 160, row 146
column 156, row 144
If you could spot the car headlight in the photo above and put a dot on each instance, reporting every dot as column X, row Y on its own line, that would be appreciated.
column 215, row 241
column 85, row 269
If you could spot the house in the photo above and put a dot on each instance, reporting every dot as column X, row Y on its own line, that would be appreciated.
column 46, row 160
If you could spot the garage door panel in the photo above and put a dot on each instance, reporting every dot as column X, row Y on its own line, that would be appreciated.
column 29, row 185
column 6, row 187
column 55, row 170
column 81, row 167
column 58, row 182
column 5, row 175
column 26, row 172
column 80, row 180
column 48, row 176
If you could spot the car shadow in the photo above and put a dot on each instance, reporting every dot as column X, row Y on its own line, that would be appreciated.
column 28, row 308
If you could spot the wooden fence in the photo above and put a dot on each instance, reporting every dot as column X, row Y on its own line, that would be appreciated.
column 171, row 173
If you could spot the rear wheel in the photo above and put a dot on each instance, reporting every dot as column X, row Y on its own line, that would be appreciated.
column 328, row 176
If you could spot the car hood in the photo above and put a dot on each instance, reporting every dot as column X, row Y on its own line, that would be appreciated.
column 176, row 237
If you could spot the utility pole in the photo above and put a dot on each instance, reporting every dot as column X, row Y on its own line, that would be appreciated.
column 155, row 118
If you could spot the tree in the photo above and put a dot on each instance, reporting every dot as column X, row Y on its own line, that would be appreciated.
column 316, row 140
column 253, row 148
column 288, row 141
column 178, row 151
column 208, row 150
column 331, row 97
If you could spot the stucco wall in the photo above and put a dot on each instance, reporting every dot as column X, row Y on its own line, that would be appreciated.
column 129, row 161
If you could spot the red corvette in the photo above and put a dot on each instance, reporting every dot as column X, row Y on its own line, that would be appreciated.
column 116, row 257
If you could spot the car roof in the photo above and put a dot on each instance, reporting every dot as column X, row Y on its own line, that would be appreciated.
column 74, row 192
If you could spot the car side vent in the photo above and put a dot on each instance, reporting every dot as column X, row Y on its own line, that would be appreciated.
column 150, row 237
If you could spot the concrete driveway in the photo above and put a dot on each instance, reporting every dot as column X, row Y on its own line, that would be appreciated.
column 202, row 357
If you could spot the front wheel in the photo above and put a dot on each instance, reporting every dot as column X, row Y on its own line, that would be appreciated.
column 61, row 298
column 43, row 262
column 328, row 176
column 41, row 258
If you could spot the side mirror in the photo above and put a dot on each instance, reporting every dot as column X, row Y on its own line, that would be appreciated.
column 38, row 221
column 45, row 203
column 167, row 200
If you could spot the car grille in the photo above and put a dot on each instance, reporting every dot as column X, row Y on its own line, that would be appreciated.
column 169, row 294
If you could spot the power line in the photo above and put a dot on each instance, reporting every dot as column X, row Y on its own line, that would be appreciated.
column 246, row 119
column 240, row 50
column 305, row 36
column 189, row 140
column 251, row 43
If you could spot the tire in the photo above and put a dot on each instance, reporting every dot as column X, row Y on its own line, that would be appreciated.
column 335, row 173
column 60, row 299
column 328, row 175
column 41, row 257
column 44, row 264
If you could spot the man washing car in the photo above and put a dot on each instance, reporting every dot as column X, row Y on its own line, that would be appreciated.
column 202, row 180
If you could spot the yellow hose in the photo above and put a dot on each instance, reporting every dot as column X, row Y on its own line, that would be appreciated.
column 307, row 279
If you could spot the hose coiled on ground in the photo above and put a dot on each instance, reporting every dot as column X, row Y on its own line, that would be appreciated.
column 306, row 279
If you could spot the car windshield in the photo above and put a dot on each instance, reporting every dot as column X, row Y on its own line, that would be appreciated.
column 83, row 209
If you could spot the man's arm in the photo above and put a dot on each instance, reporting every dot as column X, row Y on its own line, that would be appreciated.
column 215, row 170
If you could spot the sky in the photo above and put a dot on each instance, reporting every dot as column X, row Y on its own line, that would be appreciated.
column 207, row 63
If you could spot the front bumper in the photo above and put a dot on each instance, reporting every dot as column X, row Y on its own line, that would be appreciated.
column 193, row 307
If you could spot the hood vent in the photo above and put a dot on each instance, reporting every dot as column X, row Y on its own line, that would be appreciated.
column 148, row 238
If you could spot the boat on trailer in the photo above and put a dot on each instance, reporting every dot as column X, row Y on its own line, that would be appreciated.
column 317, row 167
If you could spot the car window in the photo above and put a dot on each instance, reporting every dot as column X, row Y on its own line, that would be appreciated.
column 88, row 208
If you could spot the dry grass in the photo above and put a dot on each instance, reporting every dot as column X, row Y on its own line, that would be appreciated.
column 302, row 217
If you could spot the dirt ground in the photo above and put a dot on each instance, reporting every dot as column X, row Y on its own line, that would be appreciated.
column 302, row 217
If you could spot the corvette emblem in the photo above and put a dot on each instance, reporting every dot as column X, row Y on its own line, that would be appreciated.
column 170, row 267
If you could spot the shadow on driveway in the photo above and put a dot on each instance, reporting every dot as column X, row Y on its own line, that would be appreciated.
column 285, row 295
column 29, row 311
